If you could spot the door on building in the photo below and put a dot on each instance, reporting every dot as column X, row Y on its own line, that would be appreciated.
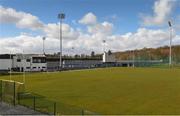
column 22, row 69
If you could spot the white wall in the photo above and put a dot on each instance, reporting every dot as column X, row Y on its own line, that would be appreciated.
column 108, row 58
column 25, row 64
column 37, row 65
column 5, row 64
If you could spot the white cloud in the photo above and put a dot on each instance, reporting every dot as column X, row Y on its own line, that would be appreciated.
column 88, row 19
column 105, row 28
column 140, row 39
column 21, row 19
column 28, row 44
column 52, row 31
column 95, row 27
column 85, row 43
column 162, row 10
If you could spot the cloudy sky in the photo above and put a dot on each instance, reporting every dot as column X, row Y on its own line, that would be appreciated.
column 124, row 24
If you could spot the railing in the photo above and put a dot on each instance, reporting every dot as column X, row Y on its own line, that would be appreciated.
column 37, row 103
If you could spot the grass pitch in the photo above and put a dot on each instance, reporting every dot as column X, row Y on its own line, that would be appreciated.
column 111, row 90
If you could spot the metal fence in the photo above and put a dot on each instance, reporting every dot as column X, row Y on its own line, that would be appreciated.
column 9, row 91
column 41, row 104
column 14, row 93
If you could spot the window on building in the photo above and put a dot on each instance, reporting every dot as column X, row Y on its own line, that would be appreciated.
column 34, row 61
column 43, row 60
column 39, row 60
column 18, row 60
column 34, row 67
column 27, row 67
column 28, row 60
column 43, row 67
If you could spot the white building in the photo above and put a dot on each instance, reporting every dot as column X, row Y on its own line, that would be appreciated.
column 29, row 62
column 109, row 57
column 23, row 62
column 5, row 62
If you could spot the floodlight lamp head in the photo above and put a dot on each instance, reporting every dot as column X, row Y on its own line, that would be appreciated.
column 44, row 38
column 61, row 16
column 169, row 22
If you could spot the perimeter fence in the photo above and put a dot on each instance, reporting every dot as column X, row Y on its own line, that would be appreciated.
column 14, row 93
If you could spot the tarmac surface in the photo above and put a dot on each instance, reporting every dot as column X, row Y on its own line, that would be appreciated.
column 7, row 109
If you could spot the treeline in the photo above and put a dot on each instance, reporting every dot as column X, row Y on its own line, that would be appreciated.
column 93, row 55
column 161, row 53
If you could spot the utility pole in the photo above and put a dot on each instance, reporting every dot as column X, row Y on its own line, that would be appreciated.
column 72, row 50
column 133, row 58
column 10, row 66
column 44, row 38
column 104, row 42
column 24, row 61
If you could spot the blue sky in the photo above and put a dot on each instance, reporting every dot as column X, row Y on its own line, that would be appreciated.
column 126, row 11
column 125, row 15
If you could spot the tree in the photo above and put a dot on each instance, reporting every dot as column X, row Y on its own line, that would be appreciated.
column 109, row 52
column 77, row 56
column 92, row 54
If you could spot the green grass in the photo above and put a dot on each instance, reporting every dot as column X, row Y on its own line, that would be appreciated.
column 165, row 66
column 111, row 90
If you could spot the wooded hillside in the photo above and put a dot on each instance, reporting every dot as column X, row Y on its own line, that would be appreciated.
column 151, row 54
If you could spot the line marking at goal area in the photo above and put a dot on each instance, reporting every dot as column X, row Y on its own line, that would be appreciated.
column 12, row 81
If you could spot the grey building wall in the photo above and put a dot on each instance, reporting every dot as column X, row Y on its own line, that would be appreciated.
column 80, row 63
column 53, row 65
